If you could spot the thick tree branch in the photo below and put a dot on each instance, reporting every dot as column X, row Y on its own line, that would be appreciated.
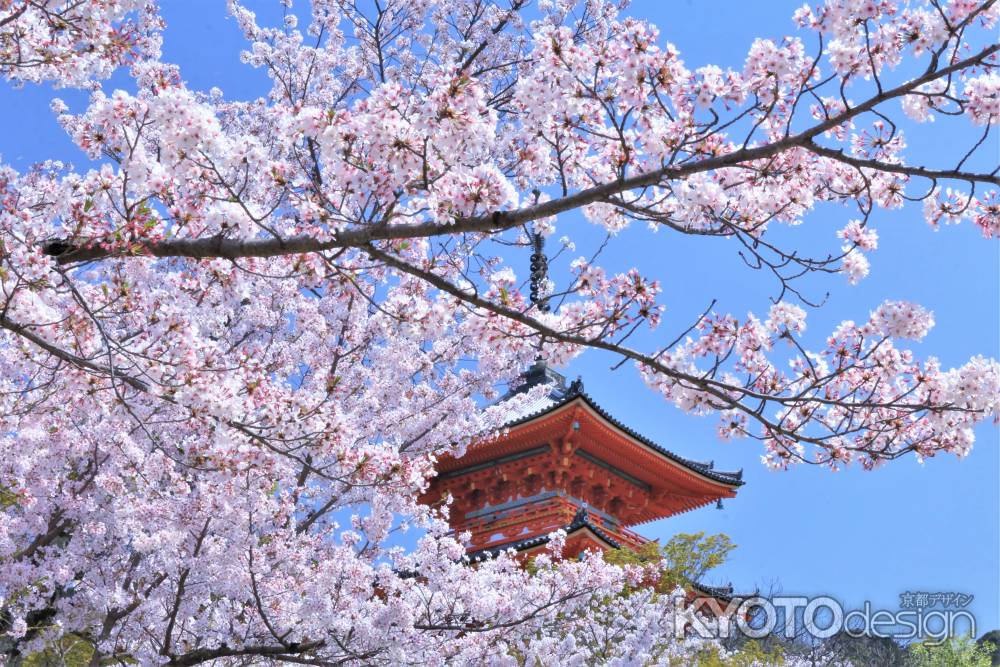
column 264, row 651
column 951, row 174
column 228, row 248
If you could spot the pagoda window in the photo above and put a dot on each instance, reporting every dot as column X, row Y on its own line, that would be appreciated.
column 500, row 492
column 476, row 498
column 531, row 485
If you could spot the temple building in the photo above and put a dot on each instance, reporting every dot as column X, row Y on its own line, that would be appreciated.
column 563, row 462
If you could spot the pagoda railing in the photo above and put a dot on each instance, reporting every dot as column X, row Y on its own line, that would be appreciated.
column 538, row 519
column 632, row 538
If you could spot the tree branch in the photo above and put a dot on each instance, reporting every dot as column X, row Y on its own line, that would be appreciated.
column 66, row 252
column 954, row 174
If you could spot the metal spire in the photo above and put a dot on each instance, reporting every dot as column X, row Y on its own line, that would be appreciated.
column 539, row 272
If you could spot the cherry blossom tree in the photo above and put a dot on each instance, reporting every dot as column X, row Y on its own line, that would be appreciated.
column 231, row 349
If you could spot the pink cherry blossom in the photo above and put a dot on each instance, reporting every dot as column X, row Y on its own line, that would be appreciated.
column 899, row 319
column 235, row 342
column 864, row 238
column 786, row 317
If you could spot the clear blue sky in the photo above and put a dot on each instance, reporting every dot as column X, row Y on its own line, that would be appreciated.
column 855, row 535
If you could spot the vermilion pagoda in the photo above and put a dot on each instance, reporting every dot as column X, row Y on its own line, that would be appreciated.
column 563, row 462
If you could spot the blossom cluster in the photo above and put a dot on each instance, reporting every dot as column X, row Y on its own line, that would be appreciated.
column 233, row 346
column 72, row 44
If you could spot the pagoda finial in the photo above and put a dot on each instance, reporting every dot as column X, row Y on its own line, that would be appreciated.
column 539, row 272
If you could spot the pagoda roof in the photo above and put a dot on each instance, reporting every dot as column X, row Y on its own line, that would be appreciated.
column 561, row 395
column 580, row 522
column 723, row 593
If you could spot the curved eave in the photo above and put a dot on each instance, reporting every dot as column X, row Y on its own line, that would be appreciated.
column 724, row 593
column 700, row 469
column 661, row 517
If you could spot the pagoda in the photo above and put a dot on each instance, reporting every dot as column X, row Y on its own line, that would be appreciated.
column 563, row 462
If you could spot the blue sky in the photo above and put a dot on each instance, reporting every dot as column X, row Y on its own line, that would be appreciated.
column 856, row 535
